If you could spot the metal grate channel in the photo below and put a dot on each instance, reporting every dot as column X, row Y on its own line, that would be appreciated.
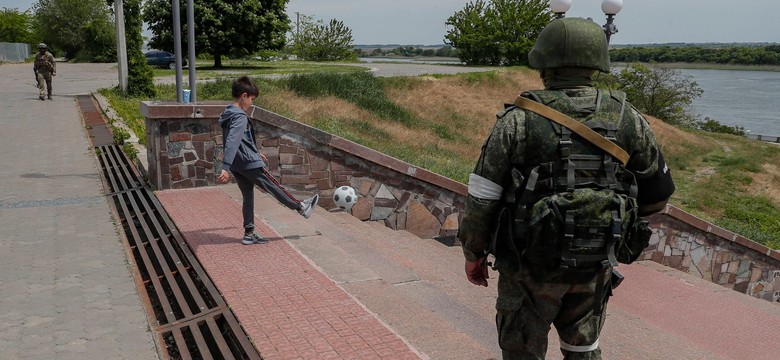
column 98, row 130
column 192, row 319
column 116, row 168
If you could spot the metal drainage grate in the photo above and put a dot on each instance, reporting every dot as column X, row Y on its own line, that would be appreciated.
column 193, row 320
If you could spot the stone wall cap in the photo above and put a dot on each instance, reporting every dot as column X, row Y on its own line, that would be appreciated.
column 170, row 110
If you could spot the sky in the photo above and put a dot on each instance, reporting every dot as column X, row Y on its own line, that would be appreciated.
column 421, row 22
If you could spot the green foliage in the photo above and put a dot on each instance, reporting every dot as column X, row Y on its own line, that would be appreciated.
column 362, row 89
column 318, row 41
column 497, row 32
column 663, row 93
column 119, row 135
column 16, row 26
column 710, row 125
column 140, row 77
column 100, row 40
column 80, row 28
column 233, row 28
column 127, row 108
column 768, row 55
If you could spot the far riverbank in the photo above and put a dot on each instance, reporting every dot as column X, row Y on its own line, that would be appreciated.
column 708, row 66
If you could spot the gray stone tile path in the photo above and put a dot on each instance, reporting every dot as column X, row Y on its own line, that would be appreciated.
column 66, row 291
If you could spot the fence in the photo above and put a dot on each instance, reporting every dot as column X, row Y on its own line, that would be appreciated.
column 14, row 52
column 774, row 139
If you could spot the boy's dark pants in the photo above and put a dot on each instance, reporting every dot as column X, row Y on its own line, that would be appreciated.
column 247, row 179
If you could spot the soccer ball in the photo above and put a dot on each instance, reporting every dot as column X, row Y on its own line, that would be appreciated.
column 345, row 197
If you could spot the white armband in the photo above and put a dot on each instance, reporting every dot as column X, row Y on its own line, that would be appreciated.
column 580, row 349
column 485, row 189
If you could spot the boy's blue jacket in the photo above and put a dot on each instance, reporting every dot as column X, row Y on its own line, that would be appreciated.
column 238, row 138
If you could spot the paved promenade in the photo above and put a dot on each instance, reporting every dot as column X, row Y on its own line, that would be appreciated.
column 65, row 288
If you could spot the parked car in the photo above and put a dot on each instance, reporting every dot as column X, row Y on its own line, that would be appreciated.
column 162, row 59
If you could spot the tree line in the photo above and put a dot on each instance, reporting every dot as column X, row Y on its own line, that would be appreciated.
column 410, row 51
column 767, row 55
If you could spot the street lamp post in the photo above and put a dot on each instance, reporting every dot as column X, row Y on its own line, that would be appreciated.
column 609, row 7
column 560, row 7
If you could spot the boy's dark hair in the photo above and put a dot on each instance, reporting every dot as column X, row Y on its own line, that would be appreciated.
column 244, row 85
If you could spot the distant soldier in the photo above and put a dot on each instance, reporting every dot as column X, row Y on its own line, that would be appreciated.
column 44, row 68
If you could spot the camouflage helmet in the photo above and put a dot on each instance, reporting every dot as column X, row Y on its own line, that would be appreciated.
column 570, row 42
column 42, row 46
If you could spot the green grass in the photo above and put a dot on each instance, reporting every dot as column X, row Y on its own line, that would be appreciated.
column 722, row 195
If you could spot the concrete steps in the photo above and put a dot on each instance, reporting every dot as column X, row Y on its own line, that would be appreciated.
column 414, row 285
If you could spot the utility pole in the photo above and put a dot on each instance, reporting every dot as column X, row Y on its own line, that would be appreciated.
column 297, row 26
column 121, row 47
column 191, row 48
column 177, row 49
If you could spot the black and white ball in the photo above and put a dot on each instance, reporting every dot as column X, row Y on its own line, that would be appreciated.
column 345, row 197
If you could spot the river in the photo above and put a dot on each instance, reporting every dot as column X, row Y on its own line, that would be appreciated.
column 750, row 99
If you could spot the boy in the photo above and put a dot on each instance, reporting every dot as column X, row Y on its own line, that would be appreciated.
column 247, row 164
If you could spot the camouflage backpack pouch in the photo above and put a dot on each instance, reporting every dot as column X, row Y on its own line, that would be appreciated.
column 583, row 228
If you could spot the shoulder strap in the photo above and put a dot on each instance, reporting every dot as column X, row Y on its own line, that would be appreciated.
column 575, row 126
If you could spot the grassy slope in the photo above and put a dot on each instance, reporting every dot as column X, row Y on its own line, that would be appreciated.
column 440, row 122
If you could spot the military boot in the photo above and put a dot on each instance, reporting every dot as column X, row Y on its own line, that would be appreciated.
column 41, row 97
column 49, row 96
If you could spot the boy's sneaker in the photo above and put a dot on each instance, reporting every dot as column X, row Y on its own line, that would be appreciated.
column 307, row 206
column 254, row 238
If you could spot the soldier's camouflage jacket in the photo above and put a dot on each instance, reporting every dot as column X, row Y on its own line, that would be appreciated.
column 522, row 139
column 44, row 63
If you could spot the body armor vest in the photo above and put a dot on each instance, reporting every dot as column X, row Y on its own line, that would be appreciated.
column 574, row 204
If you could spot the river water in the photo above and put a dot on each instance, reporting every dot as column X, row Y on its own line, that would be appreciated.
column 750, row 99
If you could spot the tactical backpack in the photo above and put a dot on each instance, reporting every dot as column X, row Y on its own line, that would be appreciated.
column 577, row 209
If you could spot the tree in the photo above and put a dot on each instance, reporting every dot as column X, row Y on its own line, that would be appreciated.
column 497, row 32
column 233, row 28
column 15, row 26
column 70, row 25
column 140, row 77
column 663, row 93
column 318, row 41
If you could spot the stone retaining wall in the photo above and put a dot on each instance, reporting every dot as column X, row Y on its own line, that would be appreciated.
column 184, row 145
column 687, row 243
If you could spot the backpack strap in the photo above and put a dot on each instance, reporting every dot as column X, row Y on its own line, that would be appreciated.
column 577, row 127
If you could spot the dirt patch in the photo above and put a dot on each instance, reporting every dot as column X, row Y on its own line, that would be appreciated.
column 307, row 110
column 449, row 99
column 672, row 139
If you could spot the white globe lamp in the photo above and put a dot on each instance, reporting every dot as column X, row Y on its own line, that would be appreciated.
column 560, row 6
column 611, row 7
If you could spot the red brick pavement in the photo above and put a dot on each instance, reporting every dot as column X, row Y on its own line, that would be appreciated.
column 702, row 314
column 289, row 308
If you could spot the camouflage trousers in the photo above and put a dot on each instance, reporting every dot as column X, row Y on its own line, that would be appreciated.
column 526, row 307
column 44, row 83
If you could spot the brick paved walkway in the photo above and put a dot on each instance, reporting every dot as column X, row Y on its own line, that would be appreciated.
column 289, row 308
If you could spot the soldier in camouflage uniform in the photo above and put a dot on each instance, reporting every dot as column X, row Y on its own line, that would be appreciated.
column 44, row 68
column 568, row 52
